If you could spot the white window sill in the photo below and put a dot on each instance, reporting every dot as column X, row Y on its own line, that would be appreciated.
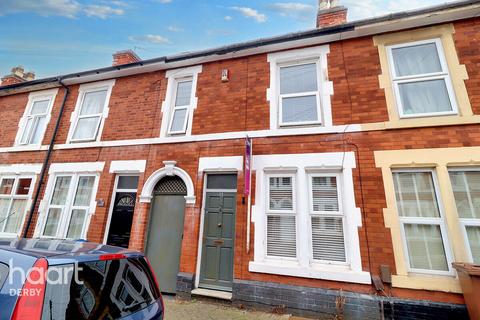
column 331, row 272
column 8, row 235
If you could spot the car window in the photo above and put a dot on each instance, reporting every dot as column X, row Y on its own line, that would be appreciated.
column 4, row 269
column 104, row 290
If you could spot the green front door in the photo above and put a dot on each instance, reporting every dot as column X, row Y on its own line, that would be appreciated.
column 165, row 231
column 218, row 241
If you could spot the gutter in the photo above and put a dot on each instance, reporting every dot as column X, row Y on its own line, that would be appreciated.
column 389, row 23
column 46, row 160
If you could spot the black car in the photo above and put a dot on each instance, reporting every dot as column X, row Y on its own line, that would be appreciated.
column 61, row 279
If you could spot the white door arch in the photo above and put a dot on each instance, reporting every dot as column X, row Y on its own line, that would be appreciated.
column 170, row 169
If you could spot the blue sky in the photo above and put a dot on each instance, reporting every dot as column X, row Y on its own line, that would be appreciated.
column 53, row 37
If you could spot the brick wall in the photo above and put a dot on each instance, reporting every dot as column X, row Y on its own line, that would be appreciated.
column 241, row 104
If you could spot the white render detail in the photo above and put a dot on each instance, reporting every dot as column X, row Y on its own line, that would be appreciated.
column 75, row 170
column 33, row 97
column 219, row 164
column 170, row 169
column 302, row 166
column 69, row 167
column 128, row 166
column 21, row 168
column 317, row 55
column 82, row 91
column 174, row 77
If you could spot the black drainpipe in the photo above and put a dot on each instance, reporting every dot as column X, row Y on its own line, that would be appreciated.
column 46, row 160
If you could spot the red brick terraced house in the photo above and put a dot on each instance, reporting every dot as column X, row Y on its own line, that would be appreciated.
column 365, row 164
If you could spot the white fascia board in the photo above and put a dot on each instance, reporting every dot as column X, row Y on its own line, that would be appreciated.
column 34, row 168
column 76, row 167
column 128, row 166
column 224, row 164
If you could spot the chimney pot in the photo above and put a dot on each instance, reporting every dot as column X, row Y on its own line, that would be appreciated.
column 330, row 14
column 17, row 75
column 124, row 57
column 18, row 71
column 29, row 76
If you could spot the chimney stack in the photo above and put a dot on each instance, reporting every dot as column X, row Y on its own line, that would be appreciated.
column 330, row 13
column 17, row 75
column 124, row 57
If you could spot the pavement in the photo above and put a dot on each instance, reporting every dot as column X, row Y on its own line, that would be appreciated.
column 177, row 309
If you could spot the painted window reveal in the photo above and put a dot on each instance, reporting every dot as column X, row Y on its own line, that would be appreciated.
column 466, row 190
column 299, row 94
column 69, row 206
column 181, row 107
column 327, row 219
column 422, row 221
column 421, row 79
column 14, row 195
column 281, row 220
column 90, row 115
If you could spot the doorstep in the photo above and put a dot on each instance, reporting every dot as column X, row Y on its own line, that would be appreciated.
column 212, row 294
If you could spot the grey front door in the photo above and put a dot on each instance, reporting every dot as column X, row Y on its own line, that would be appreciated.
column 164, row 239
column 218, row 241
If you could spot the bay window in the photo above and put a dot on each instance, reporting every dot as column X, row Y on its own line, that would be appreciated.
column 14, row 196
column 422, row 222
column 421, row 79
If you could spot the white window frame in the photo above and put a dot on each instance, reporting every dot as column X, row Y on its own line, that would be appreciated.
column 68, row 207
column 12, row 197
column 178, row 108
column 33, row 97
column 324, row 91
column 466, row 222
column 175, row 76
column 300, row 94
column 336, row 214
column 302, row 165
column 74, row 169
column 289, row 213
column 74, row 119
column 444, row 75
column 440, row 221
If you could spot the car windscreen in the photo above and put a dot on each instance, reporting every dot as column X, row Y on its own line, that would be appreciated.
column 4, row 269
column 108, row 289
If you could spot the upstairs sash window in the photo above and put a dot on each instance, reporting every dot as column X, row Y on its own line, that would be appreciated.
column 299, row 94
column 90, row 115
column 182, row 105
column 421, row 79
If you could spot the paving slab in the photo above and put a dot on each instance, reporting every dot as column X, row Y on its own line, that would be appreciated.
column 177, row 309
